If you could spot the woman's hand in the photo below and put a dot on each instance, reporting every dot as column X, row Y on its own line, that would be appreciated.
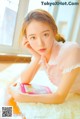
column 14, row 91
column 26, row 44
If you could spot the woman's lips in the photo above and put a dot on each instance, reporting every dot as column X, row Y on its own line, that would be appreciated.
column 42, row 50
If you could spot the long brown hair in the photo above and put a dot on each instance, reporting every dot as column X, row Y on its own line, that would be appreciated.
column 43, row 16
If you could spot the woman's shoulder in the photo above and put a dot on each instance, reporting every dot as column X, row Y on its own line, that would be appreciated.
column 69, row 55
column 70, row 45
column 69, row 48
column 69, row 51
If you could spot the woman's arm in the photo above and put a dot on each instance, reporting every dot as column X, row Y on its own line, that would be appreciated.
column 55, row 98
column 67, row 82
column 30, row 72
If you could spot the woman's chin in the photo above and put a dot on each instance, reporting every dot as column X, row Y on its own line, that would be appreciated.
column 42, row 54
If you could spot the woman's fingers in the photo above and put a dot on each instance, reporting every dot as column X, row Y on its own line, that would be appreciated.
column 15, row 84
column 27, row 45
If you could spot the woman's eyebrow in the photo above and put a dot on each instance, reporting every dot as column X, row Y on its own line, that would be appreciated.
column 45, row 31
column 31, row 34
column 41, row 32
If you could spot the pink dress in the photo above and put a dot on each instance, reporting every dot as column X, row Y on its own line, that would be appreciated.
column 64, row 58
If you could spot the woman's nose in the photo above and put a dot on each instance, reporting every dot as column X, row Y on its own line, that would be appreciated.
column 40, row 42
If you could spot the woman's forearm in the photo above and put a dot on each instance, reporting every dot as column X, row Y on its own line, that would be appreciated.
column 30, row 72
column 43, row 98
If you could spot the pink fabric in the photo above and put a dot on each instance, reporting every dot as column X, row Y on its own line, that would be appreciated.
column 64, row 58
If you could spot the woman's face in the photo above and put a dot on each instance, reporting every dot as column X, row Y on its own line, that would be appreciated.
column 40, row 37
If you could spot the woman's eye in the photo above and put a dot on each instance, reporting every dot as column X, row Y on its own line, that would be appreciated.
column 33, row 38
column 46, row 34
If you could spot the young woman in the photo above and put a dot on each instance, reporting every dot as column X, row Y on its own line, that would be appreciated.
column 61, row 61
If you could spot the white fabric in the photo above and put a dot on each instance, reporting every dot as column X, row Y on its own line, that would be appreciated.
column 71, row 68
column 70, row 109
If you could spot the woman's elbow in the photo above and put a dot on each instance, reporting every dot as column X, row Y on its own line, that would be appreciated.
column 59, row 99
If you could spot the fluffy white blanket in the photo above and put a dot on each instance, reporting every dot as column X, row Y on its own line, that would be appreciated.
column 70, row 109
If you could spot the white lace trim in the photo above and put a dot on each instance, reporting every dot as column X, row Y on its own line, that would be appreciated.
column 70, row 69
